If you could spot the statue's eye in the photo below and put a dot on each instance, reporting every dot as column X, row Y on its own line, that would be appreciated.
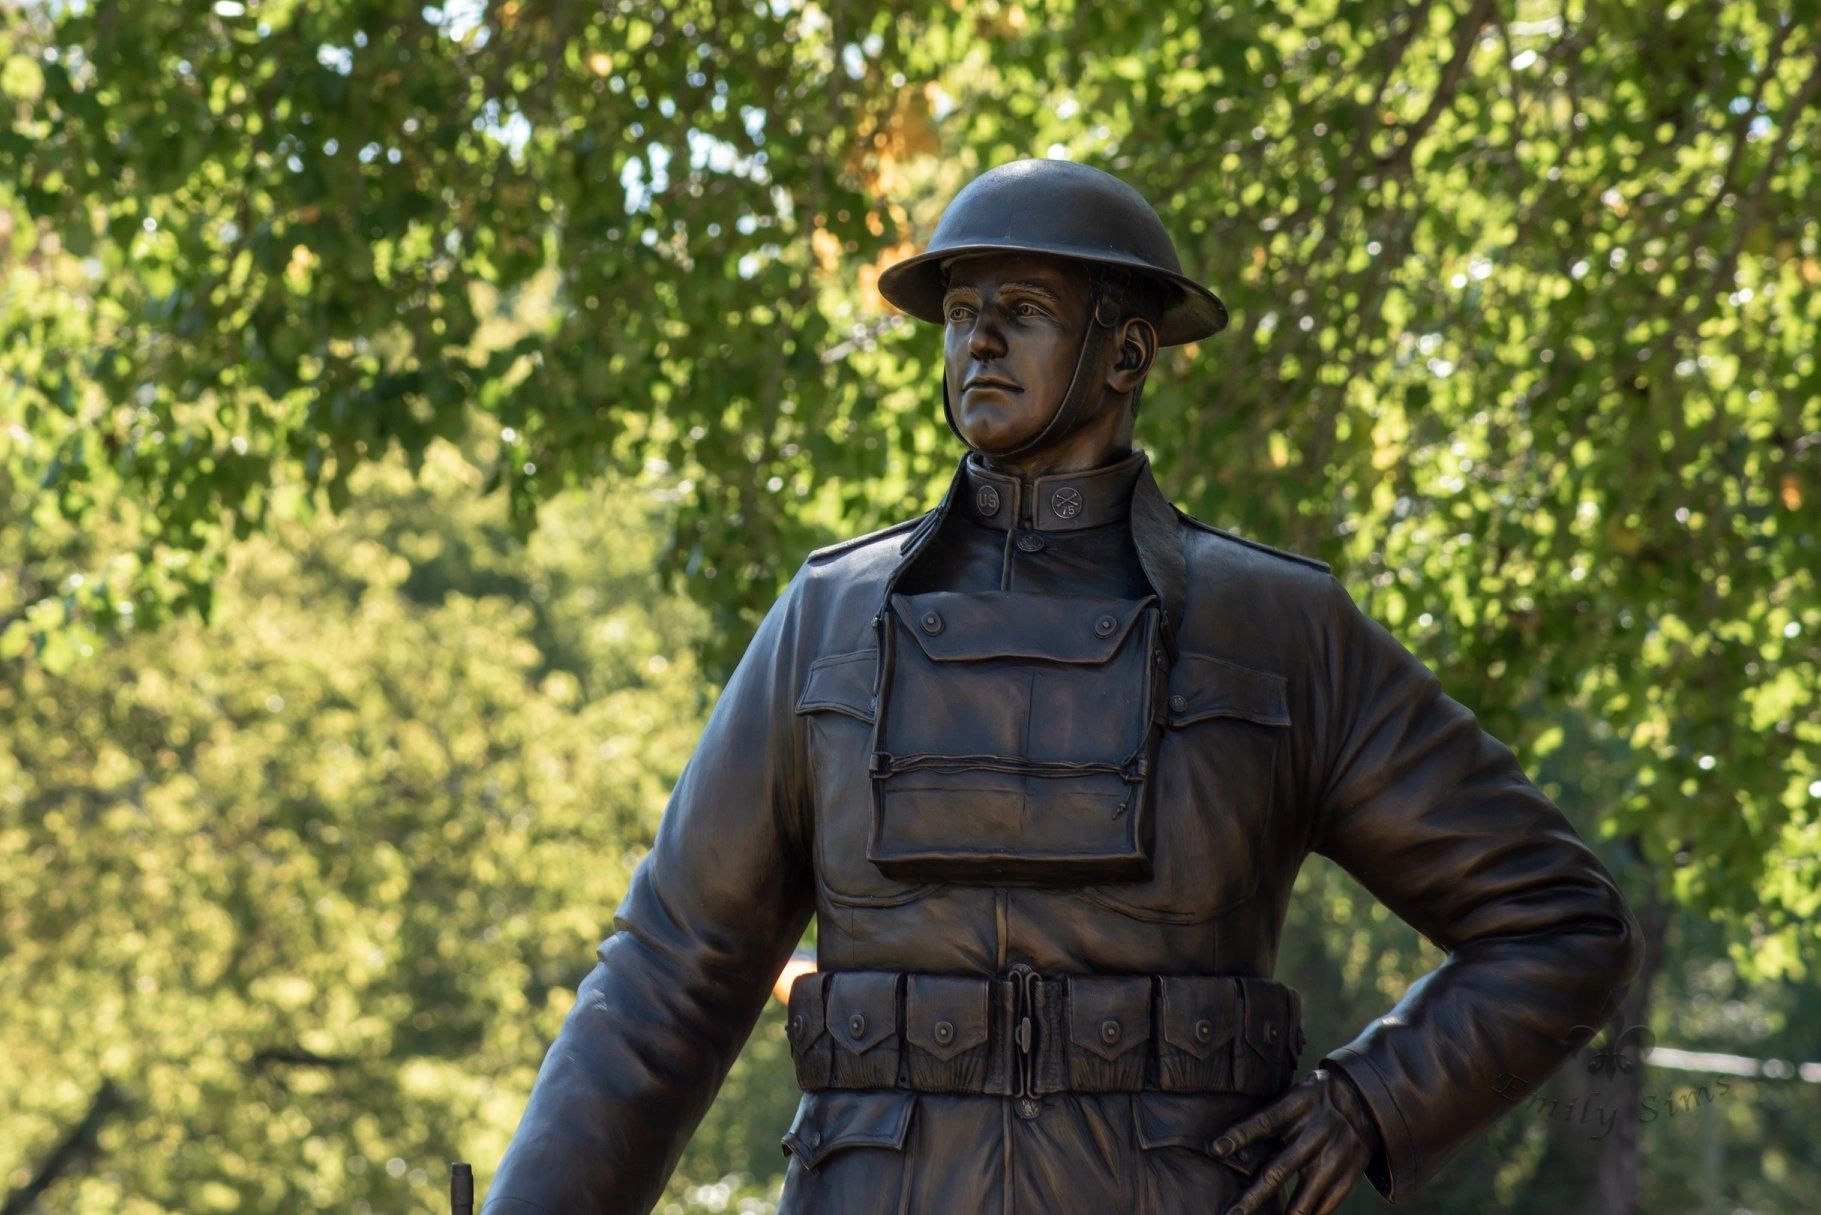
column 957, row 313
column 1028, row 309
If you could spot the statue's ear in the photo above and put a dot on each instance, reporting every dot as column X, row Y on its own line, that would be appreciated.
column 1135, row 349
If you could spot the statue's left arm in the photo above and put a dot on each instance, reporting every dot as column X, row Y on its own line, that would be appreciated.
column 1438, row 821
column 712, row 913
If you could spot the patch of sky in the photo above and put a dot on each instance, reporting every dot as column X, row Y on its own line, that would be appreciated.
column 753, row 118
column 633, row 180
column 457, row 18
column 511, row 129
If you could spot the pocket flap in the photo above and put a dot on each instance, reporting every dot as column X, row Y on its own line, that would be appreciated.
column 1200, row 1013
column 862, row 1008
column 1109, row 1016
column 1271, row 1015
column 1195, row 1121
column 1202, row 686
column 808, row 1020
column 831, row 1119
column 945, row 1015
column 964, row 626
column 841, row 683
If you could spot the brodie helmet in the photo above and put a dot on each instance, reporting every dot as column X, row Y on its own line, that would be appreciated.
column 1062, row 209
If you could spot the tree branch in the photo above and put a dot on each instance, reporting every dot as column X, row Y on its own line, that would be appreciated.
column 71, row 1152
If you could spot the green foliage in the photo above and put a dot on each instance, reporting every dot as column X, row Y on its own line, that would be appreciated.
column 1524, row 306
column 313, row 888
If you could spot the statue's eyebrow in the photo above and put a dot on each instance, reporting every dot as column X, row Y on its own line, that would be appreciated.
column 1031, row 288
column 1008, row 288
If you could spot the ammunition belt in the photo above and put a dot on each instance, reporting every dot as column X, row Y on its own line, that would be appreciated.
column 1025, row 1035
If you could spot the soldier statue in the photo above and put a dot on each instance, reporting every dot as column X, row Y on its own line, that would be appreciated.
column 1043, row 763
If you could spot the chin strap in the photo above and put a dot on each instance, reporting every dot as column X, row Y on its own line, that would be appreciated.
column 1104, row 306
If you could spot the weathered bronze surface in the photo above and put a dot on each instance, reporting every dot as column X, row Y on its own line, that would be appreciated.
column 1044, row 764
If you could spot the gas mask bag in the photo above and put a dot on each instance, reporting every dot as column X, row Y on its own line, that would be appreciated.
column 1015, row 737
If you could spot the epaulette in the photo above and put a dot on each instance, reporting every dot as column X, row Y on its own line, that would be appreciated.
column 843, row 546
column 1262, row 547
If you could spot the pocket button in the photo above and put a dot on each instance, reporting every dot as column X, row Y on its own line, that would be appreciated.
column 945, row 1033
column 1204, row 1030
column 1109, row 1032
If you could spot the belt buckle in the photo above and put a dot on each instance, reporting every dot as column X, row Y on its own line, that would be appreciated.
column 1024, row 1039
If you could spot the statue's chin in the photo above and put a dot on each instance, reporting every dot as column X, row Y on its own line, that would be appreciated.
column 994, row 436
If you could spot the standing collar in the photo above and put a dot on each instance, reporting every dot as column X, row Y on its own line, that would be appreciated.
column 1056, row 502
column 1156, row 525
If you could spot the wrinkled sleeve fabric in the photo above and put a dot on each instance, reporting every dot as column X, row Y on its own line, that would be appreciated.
column 1437, row 820
column 712, row 913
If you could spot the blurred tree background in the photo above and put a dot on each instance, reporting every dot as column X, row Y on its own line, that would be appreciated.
column 405, row 412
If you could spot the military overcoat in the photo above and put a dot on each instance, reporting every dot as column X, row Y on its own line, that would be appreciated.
column 1289, row 724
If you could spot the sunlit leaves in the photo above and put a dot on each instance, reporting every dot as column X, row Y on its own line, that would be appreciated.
column 1523, row 308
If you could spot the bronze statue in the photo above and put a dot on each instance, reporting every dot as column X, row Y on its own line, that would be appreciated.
column 1044, row 764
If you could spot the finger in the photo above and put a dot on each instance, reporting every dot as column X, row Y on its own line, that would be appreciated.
column 1264, row 1123
column 1277, row 1171
column 1328, row 1181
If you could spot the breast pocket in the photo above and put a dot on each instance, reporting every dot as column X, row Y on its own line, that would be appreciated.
column 838, row 703
column 1219, row 772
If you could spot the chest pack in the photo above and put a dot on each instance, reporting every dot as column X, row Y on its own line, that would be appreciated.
column 1015, row 738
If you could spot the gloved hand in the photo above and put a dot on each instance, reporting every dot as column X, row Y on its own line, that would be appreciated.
column 1327, row 1135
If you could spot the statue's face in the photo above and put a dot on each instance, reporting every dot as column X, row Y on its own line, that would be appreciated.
column 1014, row 324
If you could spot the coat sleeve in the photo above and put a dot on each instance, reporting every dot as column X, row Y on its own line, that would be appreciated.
column 1436, row 819
column 712, row 913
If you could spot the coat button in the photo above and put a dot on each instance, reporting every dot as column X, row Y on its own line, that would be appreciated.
column 987, row 500
column 945, row 1033
column 932, row 623
column 1030, row 543
column 814, row 1139
column 1179, row 703
column 856, row 1025
column 1109, row 1032
column 1105, row 626
column 1204, row 1030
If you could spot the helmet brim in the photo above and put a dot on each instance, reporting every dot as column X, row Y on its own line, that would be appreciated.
column 914, row 285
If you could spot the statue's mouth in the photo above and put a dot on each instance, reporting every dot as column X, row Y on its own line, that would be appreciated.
column 989, row 381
